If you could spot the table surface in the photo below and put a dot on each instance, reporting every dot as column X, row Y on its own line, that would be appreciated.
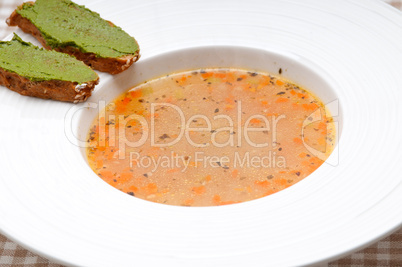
column 386, row 252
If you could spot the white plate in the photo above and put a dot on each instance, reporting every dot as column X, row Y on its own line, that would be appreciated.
column 53, row 204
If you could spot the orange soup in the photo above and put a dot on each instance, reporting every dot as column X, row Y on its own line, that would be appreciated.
column 210, row 137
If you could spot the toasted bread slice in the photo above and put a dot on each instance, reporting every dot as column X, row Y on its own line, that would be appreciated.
column 33, row 71
column 73, row 29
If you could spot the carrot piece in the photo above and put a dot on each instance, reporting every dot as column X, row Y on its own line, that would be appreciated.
column 265, row 80
column 245, row 86
column 270, row 114
column 281, row 181
column 100, row 150
column 216, row 199
column 279, row 82
column 255, row 121
column 229, row 100
column 298, row 140
column 269, row 192
column 206, row 75
column 262, row 183
column 126, row 100
column 133, row 189
column 125, row 177
column 235, row 172
column 208, row 178
column 220, row 75
column 282, row 100
column 315, row 160
column 99, row 164
column 182, row 80
column 292, row 92
column 106, row 174
column 136, row 93
column 301, row 95
column 111, row 153
column 192, row 164
column 230, row 77
column 321, row 141
column 322, row 126
column 151, row 188
column 313, row 106
column 188, row 202
column 302, row 155
column 199, row 190
column 120, row 108
column 305, row 163
column 229, row 107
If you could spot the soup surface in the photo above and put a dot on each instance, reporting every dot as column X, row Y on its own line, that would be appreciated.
column 210, row 137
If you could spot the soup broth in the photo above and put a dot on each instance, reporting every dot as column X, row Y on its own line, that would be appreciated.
column 210, row 137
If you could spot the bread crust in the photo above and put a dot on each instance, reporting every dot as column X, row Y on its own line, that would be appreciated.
column 110, row 65
column 52, row 89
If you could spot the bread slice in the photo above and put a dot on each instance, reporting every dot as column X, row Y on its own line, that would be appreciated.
column 33, row 71
column 73, row 29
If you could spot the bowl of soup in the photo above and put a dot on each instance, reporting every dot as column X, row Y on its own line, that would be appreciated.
column 210, row 126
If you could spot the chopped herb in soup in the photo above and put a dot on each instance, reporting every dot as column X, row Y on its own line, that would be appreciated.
column 210, row 137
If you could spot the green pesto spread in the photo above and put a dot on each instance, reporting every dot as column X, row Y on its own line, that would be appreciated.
column 38, row 64
column 64, row 23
